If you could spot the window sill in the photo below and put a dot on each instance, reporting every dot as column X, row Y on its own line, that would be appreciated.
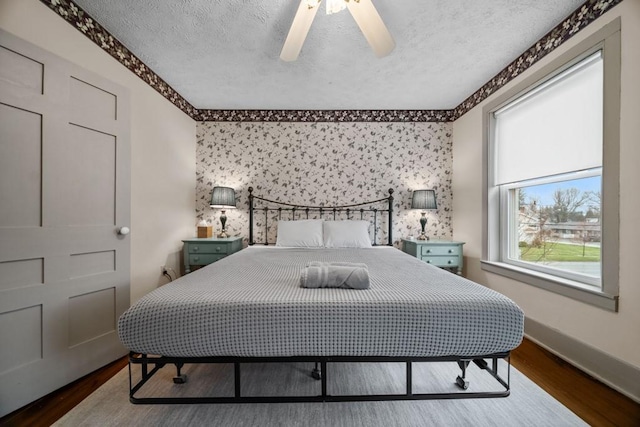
column 568, row 288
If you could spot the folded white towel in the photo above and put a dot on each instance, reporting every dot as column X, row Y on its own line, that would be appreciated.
column 335, row 275
column 338, row 264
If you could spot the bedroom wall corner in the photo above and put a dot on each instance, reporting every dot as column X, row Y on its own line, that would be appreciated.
column 162, row 145
column 326, row 163
column 612, row 334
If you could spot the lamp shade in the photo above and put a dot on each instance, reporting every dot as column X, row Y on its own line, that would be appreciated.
column 424, row 199
column 223, row 198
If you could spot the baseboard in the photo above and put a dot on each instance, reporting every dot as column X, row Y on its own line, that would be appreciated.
column 613, row 372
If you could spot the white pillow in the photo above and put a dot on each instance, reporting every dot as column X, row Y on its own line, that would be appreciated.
column 305, row 233
column 346, row 234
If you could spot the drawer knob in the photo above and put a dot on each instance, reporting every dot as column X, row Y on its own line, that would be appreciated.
column 218, row 249
column 428, row 261
column 428, row 251
column 449, row 262
column 195, row 248
column 197, row 258
column 450, row 251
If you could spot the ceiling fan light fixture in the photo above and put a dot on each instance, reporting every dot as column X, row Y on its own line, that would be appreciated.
column 335, row 6
column 363, row 12
column 372, row 26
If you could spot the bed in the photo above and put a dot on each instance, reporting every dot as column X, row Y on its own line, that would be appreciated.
column 249, row 307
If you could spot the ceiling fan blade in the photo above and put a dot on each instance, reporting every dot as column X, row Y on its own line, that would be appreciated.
column 298, row 31
column 371, row 25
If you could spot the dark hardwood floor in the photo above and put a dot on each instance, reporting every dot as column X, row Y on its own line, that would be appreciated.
column 594, row 402
column 50, row 408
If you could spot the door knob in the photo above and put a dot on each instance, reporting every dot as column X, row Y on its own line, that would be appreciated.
column 124, row 231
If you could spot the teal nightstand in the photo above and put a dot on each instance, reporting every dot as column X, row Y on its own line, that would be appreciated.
column 441, row 253
column 204, row 251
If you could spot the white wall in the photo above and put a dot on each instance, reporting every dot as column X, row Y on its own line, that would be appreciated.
column 162, row 144
column 616, row 334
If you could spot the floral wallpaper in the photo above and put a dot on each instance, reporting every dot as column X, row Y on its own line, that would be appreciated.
column 325, row 164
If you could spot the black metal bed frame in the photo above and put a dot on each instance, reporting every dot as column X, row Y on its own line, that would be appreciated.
column 305, row 210
column 158, row 362
column 151, row 364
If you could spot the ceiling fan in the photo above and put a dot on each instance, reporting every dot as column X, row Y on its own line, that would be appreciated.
column 364, row 13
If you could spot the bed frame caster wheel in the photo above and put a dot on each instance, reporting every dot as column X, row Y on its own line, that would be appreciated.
column 481, row 363
column 180, row 379
column 462, row 383
column 316, row 375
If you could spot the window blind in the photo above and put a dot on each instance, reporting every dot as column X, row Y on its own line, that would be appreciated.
column 555, row 128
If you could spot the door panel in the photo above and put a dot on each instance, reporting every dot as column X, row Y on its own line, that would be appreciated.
column 23, row 328
column 64, row 193
column 89, row 154
column 92, row 103
column 24, row 272
column 20, row 167
column 91, row 315
column 20, row 73
column 89, row 264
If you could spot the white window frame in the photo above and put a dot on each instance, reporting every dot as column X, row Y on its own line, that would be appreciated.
column 508, row 230
column 495, row 227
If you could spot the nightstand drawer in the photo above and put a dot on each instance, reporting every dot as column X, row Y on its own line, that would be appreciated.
column 220, row 248
column 207, row 250
column 204, row 259
column 440, row 253
column 442, row 261
column 438, row 250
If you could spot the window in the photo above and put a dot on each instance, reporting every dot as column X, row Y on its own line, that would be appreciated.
column 551, row 147
column 544, row 141
column 552, row 225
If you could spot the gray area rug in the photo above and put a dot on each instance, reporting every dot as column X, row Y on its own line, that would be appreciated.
column 528, row 405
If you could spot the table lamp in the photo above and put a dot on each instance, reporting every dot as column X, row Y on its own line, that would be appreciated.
column 223, row 198
column 424, row 200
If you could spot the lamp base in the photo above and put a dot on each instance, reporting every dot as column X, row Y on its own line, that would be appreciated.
column 223, row 228
column 423, row 223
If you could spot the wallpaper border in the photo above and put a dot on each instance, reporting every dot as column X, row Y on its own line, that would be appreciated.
column 575, row 22
column 326, row 115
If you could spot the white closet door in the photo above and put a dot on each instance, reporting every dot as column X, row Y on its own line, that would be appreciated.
column 64, row 195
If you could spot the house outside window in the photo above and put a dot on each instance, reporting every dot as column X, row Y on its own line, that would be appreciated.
column 551, row 175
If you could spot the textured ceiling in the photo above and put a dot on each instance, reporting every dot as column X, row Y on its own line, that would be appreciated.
column 222, row 54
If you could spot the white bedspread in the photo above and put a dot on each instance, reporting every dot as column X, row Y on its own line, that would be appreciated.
column 251, row 304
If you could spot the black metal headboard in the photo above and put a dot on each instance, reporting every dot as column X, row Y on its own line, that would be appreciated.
column 352, row 210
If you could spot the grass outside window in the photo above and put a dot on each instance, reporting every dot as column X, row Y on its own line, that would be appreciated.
column 560, row 252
